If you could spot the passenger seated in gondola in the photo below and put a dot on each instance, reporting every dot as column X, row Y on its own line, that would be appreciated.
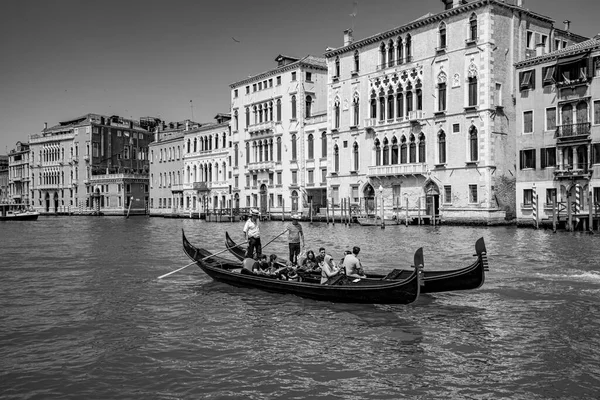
column 288, row 273
column 310, row 263
column 248, row 266
column 346, row 252
column 353, row 266
column 328, row 270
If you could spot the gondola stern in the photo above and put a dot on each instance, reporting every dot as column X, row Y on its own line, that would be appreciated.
column 419, row 266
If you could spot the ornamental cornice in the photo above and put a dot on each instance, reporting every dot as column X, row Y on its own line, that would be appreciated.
column 429, row 20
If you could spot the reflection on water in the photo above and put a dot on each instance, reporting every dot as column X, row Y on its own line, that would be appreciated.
column 83, row 316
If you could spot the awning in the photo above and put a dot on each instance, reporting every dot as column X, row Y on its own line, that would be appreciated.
column 572, row 59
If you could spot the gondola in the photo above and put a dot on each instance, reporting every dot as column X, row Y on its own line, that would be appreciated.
column 466, row 278
column 370, row 291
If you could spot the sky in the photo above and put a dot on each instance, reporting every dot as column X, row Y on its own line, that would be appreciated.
column 61, row 59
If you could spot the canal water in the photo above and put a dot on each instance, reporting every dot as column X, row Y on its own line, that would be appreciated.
column 83, row 315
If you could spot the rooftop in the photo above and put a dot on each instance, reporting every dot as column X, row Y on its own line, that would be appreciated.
column 583, row 47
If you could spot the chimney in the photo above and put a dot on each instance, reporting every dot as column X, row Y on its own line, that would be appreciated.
column 567, row 24
column 45, row 125
column 539, row 49
column 187, row 125
column 348, row 39
column 456, row 3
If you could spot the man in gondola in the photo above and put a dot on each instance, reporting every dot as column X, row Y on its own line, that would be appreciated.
column 252, row 233
column 352, row 264
column 295, row 237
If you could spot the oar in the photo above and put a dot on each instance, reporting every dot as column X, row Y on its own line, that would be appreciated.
column 274, row 238
column 194, row 262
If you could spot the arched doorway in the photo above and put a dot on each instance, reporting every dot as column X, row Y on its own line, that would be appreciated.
column 237, row 202
column 55, row 202
column 432, row 199
column 264, row 204
column 47, row 201
column 369, row 195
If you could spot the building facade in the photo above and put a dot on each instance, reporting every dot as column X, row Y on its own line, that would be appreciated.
column 420, row 115
column 65, row 158
column 207, row 175
column 166, row 168
column 278, row 124
column 558, row 136
column 19, row 175
column 4, row 186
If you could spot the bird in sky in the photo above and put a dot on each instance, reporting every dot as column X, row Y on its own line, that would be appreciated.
column 235, row 40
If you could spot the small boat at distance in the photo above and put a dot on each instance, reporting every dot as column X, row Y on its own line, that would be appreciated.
column 8, row 214
column 470, row 277
column 370, row 291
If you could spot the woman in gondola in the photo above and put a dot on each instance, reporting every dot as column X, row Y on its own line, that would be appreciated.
column 310, row 263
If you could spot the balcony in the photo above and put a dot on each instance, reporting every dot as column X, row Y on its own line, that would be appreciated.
column 261, row 166
column 200, row 186
column 262, row 127
column 177, row 187
column 74, row 182
column 86, row 157
column 370, row 122
column 397, row 169
column 416, row 116
column 572, row 132
column 316, row 119
column 578, row 171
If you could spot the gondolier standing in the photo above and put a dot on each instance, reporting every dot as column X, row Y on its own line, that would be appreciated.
column 252, row 233
column 295, row 236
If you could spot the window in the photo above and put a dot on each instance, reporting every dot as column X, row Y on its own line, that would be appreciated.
column 474, row 151
column 279, row 178
column 596, row 153
column 527, row 80
column 447, row 194
column 472, row 193
column 409, row 102
column 548, row 76
column 279, row 149
column 442, row 97
column 323, row 145
column 355, row 111
column 382, row 54
column 399, row 103
column 391, row 53
column 294, row 177
column 473, row 28
column 311, row 177
column 400, row 51
column 528, row 122
column 356, row 61
column 421, row 148
column 373, row 113
column 442, row 147
column 278, row 107
column 323, row 175
column 455, row 128
column 550, row 196
column 308, row 106
column 381, row 106
column 247, row 116
column 412, row 150
column 271, row 82
column 597, row 66
column 278, row 80
column 472, row 91
column 544, row 42
column 390, row 104
column 442, row 36
column 377, row 152
column 311, row 147
column 354, row 192
column 548, row 157
column 527, row 197
column 294, row 150
column 596, row 112
column 337, row 68
column 254, row 87
column 498, row 95
column 527, row 158
column 530, row 44
column 336, row 158
column 355, row 155
column 336, row 112
column 551, row 119
column 294, row 76
column 293, row 107
column 408, row 48
column 309, row 76
column 247, row 89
